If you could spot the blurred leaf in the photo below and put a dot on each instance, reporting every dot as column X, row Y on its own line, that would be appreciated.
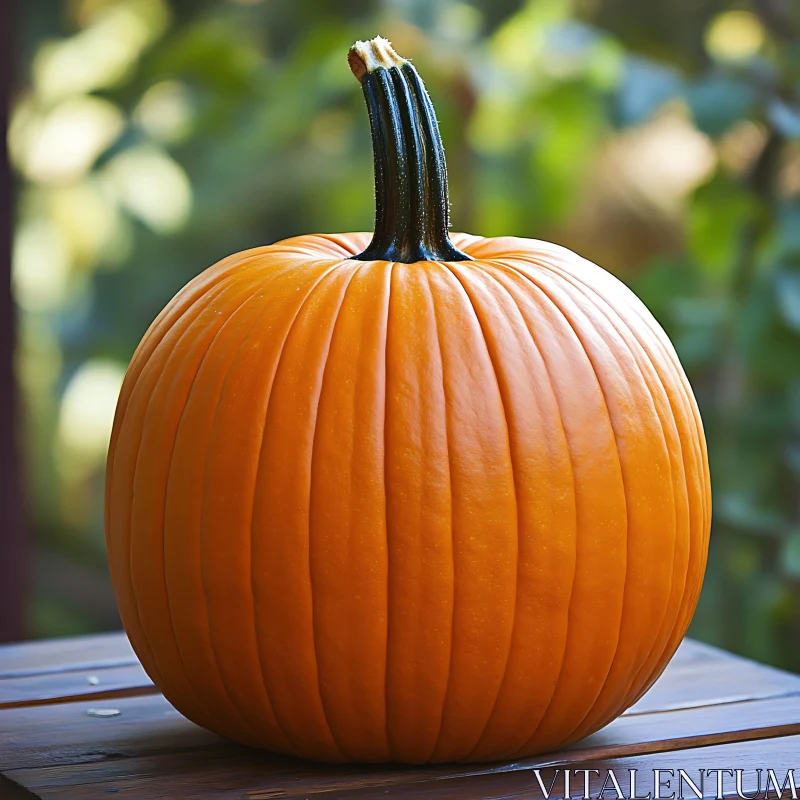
column 697, row 348
column 646, row 85
column 769, row 349
column 790, row 557
column 568, row 125
column 217, row 54
column 718, row 101
column 717, row 215
column 785, row 117
column 661, row 283
column 744, row 562
column 572, row 49
column 788, row 230
column 793, row 459
column 740, row 511
column 758, row 619
column 787, row 295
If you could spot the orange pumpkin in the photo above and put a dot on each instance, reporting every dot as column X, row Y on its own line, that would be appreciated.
column 406, row 499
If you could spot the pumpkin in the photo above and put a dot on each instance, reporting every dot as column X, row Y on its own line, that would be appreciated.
column 407, row 497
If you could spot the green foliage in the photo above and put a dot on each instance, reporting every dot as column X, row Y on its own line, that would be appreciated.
column 660, row 139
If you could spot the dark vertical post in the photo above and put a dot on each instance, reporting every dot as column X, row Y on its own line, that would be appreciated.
column 12, row 541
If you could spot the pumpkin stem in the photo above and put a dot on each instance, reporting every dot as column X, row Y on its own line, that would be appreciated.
column 412, row 211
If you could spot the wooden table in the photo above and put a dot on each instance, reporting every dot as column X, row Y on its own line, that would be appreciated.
column 710, row 710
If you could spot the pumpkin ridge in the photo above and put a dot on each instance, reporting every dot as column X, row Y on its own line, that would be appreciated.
column 507, row 271
column 138, row 633
column 647, row 319
column 690, row 598
column 447, row 424
column 645, row 316
column 684, row 400
column 335, row 319
column 671, row 641
column 698, row 440
column 416, row 373
column 198, row 286
column 450, row 286
column 565, row 277
column 348, row 517
column 334, row 262
column 607, row 312
column 146, row 416
column 515, row 483
column 208, row 629
column 689, row 595
column 211, row 344
column 225, row 272
column 138, row 361
column 685, row 606
column 386, row 515
column 279, row 359
column 488, row 267
column 603, row 393
column 641, row 311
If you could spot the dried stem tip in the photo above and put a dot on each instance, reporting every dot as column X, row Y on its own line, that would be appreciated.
column 365, row 57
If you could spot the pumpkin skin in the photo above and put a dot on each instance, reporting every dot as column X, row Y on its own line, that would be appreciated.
column 406, row 498
column 375, row 511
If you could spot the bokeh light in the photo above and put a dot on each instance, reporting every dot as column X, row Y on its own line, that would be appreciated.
column 735, row 35
column 86, row 415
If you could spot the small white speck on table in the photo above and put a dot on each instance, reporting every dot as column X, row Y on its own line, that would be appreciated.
column 103, row 712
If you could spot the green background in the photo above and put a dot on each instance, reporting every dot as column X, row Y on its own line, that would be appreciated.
column 152, row 137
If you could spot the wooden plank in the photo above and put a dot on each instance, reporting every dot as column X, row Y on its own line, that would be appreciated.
column 150, row 748
column 57, row 671
column 13, row 549
column 65, row 734
column 75, row 686
column 258, row 777
column 720, row 678
column 780, row 755
column 692, row 727
column 691, row 651
column 73, row 653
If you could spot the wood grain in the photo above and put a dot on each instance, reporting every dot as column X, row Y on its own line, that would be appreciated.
column 148, row 737
column 57, row 670
column 67, row 654
column 707, row 705
column 779, row 754
column 73, row 686
column 700, row 675
column 261, row 777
